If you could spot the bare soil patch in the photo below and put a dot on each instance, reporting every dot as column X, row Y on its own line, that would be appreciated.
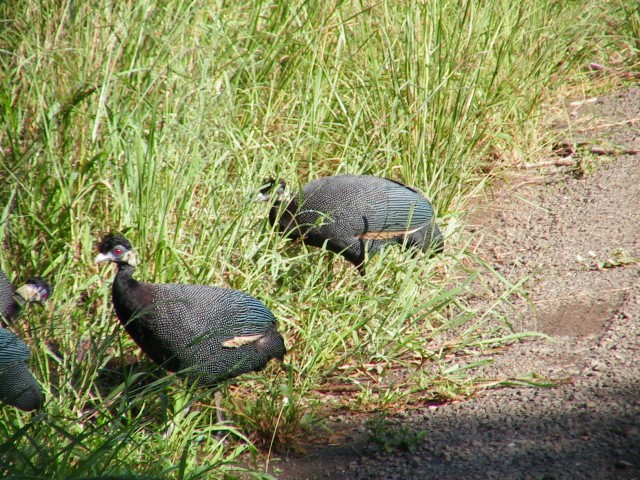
column 572, row 227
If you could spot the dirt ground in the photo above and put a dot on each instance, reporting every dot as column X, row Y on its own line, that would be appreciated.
column 575, row 232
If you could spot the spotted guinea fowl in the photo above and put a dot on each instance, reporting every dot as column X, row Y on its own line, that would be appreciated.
column 210, row 333
column 18, row 387
column 353, row 214
column 13, row 299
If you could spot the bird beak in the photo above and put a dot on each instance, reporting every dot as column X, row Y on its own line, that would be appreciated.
column 28, row 292
column 128, row 257
column 103, row 257
column 262, row 197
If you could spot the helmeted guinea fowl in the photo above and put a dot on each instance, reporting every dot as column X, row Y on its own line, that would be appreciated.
column 353, row 214
column 211, row 333
column 18, row 387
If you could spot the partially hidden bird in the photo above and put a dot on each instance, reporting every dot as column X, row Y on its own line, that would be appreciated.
column 18, row 386
column 354, row 214
column 209, row 333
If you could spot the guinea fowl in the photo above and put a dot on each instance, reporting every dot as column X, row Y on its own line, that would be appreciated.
column 13, row 299
column 210, row 333
column 355, row 214
column 18, row 387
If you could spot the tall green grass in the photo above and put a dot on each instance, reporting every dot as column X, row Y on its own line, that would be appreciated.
column 161, row 119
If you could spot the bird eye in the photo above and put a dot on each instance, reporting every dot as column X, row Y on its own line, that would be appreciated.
column 117, row 250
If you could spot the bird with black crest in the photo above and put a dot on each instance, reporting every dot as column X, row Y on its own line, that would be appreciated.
column 212, row 334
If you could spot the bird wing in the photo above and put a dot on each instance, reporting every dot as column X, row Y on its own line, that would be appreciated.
column 240, row 340
column 205, row 312
column 12, row 349
column 253, row 317
column 19, row 388
column 406, row 212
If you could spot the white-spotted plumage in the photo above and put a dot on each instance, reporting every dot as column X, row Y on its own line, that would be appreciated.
column 354, row 214
column 209, row 332
column 6, row 297
column 18, row 386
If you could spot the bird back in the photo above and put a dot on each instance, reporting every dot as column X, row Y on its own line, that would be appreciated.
column 360, row 204
column 212, row 332
column 7, row 303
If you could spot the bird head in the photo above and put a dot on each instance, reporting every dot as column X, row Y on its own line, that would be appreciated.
column 35, row 290
column 115, row 248
column 268, row 187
